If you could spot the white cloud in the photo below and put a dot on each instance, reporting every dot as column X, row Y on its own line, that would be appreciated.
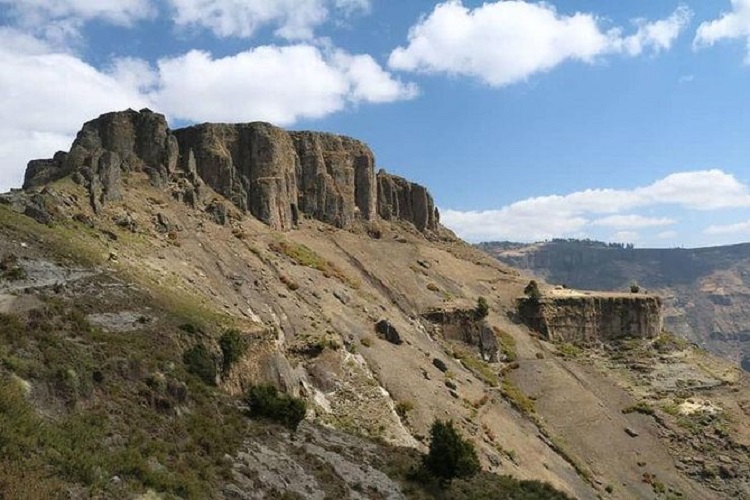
column 625, row 237
column 657, row 35
column 59, row 21
column 505, row 42
column 277, row 84
column 123, row 12
column 293, row 19
column 632, row 221
column 731, row 25
column 738, row 228
column 44, row 99
column 667, row 235
column 569, row 215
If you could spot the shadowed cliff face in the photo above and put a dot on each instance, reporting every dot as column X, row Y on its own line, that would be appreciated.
column 586, row 318
column 275, row 175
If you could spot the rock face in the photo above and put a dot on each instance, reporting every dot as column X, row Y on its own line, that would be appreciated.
column 401, row 199
column 588, row 318
column 275, row 175
column 107, row 147
column 461, row 324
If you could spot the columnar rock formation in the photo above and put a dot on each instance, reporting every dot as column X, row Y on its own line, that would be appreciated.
column 275, row 175
column 593, row 317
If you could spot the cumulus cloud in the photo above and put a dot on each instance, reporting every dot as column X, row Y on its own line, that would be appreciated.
column 632, row 221
column 35, row 120
column 277, row 84
column 505, row 42
column 737, row 228
column 123, row 12
column 625, row 237
column 59, row 21
column 734, row 24
column 572, row 214
column 293, row 19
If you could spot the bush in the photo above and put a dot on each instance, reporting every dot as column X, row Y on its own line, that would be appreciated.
column 532, row 290
column 634, row 288
column 233, row 347
column 265, row 401
column 483, row 308
column 199, row 362
column 450, row 456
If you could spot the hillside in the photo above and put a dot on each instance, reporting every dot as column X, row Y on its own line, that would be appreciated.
column 706, row 291
column 150, row 278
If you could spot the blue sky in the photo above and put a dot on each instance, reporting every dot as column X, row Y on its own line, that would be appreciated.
column 620, row 121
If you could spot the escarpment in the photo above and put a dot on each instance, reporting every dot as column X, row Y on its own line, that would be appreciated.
column 590, row 317
column 275, row 175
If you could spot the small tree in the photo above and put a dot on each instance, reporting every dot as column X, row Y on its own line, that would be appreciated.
column 199, row 361
column 233, row 347
column 265, row 401
column 450, row 455
column 532, row 290
column 483, row 308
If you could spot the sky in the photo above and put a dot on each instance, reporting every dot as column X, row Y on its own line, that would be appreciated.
column 618, row 121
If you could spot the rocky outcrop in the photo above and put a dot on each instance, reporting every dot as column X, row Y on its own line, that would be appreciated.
column 275, row 175
column 399, row 199
column 107, row 147
column 461, row 324
column 589, row 317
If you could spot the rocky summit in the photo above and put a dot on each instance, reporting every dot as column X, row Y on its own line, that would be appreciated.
column 275, row 175
column 236, row 311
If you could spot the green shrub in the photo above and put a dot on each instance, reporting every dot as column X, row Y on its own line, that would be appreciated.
column 233, row 347
column 641, row 407
column 532, row 291
column 403, row 408
column 200, row 363
column 450, row 456
column 265, row 401
column 483, row 308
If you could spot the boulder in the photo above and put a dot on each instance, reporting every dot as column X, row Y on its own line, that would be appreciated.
column 387, row 331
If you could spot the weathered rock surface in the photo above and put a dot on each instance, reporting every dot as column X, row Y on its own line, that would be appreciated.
column 404, row 200
column 113, row 144
column 275, row 175
column 592, row 317
column 461, row 324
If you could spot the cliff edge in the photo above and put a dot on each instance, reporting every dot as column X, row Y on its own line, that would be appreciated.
column 275, row 175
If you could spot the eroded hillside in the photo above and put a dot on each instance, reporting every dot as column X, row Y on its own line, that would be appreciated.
column 125, row 254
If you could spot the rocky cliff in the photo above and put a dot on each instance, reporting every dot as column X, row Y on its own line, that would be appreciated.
column 705, row 290
column 275, row 175
column 591, row 317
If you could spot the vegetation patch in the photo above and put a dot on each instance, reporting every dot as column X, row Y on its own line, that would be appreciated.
column 265, row 401
column 10, row 268
column 507, row 344
column 480, row 368
column 669, row 342
column 450, row 455
column 307, row 257
column 233, row 346
column 641, row 407
column 199, row 361
column 516, row 397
